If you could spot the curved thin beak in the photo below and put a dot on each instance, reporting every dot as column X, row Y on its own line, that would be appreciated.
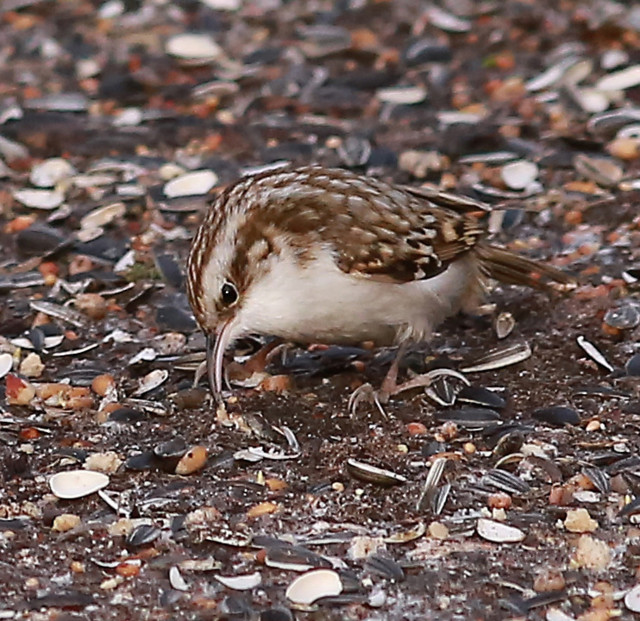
column 213, row 381
column 216, row 346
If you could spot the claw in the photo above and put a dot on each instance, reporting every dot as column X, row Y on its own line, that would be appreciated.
column 366, row 393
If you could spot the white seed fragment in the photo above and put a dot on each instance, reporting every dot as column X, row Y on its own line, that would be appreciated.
column 551, row 76
column 151, row 381
column 447, row 21
column 6, row 364
column 405, row 95
column 200, row 47
column 128, row 117
column 594, row 353
column 46, row 174
column 39, row 199
column 77, row 483
column 65, row 522
column 313, row 585
column 103, row 216
column 241, row 583
column 519, row 175
column 555, row 614
column 191, row 184
column 176, row 580
column 499, row 532
column 223, row 5
column 632, row 599
column 620, row 80
column 613, row 58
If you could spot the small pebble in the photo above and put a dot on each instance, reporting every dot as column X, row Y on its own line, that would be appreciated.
column 192, row 461
column 32, row 366
column 66, row 521
column 549, row 580
column 591, row 553
column 437, row 530
column 625, row 148
column 579, row 521
column 103, row 384
column 263, row 508
column 92, row 304
column 19, row 392
column 108, row 462
column 499, row 500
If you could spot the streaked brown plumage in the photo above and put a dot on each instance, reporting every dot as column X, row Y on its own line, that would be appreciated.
column 315, row 254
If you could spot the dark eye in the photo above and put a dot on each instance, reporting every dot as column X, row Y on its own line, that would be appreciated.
column 229, row 294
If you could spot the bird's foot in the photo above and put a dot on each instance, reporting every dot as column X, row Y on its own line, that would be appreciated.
column 366, row 392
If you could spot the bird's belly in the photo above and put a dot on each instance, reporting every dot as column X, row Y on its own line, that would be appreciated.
column 320, row 303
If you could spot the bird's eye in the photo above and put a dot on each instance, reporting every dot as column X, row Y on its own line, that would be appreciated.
column 229, row 294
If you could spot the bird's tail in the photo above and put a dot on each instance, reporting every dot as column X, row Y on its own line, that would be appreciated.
column 514, row 269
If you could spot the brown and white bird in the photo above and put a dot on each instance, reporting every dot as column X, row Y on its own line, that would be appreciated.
column 325, row 255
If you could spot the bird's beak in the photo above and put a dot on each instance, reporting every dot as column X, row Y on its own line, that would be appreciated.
column 216, row 346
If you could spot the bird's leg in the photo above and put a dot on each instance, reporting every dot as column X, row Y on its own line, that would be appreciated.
column 388, row 387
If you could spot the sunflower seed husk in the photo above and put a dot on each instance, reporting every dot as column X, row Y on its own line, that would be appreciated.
column 497, row 532
column 151, row 381
column 176, row 580
column 77, row 483
column 632, row 367
column 293, row 558
column 309, row 587
column 507, row 482
column 478, row 395
column 385, row 567
column 373, row 474
column 604, row 172
column 74, row 317
column 469, row 418
column 599, row 478
column 504, row 325
column 594, row 353
column 142, row 535
column 241, row 583
column 445, row 389
column 431, row 483
column 499, row 358
column 558, row 415
column 623, row 317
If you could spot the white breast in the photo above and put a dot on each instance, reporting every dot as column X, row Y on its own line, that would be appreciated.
column 320, row 303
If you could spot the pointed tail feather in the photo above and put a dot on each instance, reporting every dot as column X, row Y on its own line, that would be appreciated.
column 514, row 269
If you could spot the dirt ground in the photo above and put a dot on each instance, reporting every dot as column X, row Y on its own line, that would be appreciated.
column 206, row 512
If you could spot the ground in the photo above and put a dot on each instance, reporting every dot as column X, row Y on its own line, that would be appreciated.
column 104, row 112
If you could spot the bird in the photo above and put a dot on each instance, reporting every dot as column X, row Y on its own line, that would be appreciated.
column 326, row 255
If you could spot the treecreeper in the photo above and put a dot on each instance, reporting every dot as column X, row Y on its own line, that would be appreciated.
column 324, row 255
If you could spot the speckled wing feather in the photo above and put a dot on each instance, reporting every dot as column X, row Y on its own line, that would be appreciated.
column 375, row 230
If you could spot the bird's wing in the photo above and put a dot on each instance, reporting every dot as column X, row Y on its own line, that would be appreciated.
column 401, row 245
column 374, row 229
